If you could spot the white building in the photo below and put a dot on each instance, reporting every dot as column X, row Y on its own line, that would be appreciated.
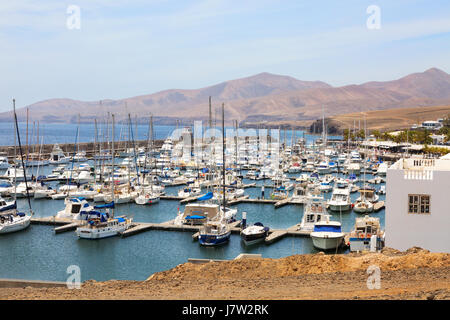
column 418, row 204
column 432, row 125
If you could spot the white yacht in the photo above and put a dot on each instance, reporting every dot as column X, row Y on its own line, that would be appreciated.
column 16, row 174
column 214, row 233
column 147, row 196
column 315, row 211
column 340, row 199
column 103, row 227
column 327, row 234
column 189, row 192
column 323, row 167
column 74, row 208
column 254, row 234
column 57, row 155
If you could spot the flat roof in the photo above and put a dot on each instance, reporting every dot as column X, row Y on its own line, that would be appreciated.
column 441, row 164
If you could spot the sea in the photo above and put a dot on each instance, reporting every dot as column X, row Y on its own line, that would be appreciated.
column 37, row 253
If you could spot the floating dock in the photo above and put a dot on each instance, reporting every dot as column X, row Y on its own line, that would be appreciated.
column 64, row 225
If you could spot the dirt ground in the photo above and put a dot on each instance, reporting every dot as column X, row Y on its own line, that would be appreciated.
column 414, row 274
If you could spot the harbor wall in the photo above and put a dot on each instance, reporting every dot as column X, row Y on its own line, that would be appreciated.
column 69, row 148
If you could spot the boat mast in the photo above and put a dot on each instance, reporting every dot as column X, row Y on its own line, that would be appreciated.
column 223, row 156
column 21, row 157
column 15, row 154
column 112, row 170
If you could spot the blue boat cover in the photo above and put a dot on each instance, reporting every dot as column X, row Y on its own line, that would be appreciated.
column 11, row 206
column 121, row 219
column 103, row 206
column 207, row 196
column 320, row 228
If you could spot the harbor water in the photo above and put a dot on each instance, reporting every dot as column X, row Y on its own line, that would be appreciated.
column 37, row 253
column 40, row 254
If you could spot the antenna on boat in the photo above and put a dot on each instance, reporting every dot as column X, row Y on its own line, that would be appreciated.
column 21, row 158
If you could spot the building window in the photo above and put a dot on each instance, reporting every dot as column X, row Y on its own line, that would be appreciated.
column 419, row 203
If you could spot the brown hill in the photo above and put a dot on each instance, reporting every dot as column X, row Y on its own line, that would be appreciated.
column 392, row 119
column 264, row 96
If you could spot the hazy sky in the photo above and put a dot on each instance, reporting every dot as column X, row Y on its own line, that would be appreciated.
column 126, row 48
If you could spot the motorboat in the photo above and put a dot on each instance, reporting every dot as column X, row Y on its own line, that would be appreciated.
column 361, row 236
column 74, row 207
column 57, row 156
column 147, row 197
column 255, row 233
column 189, row 192
column 340, row 198
column 100, row 226
column 327, row 234
column 323, row 167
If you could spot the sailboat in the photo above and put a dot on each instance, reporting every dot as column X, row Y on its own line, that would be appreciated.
column 214, row 233
column 147, row 195
column 11, row 220
column 364, row 203
column 104, row 225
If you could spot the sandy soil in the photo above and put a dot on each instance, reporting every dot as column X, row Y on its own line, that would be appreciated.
column 414, row 274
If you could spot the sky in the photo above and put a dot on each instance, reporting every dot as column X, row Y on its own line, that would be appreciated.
column 125, row 48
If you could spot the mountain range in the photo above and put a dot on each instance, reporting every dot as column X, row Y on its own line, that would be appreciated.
column 263, row 97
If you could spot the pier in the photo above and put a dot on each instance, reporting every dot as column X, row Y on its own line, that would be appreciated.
column 65, row 225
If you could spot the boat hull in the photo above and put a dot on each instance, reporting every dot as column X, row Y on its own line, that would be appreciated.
column 214, row 240
column 15, row 226
column 101, row 233
column 326, row 241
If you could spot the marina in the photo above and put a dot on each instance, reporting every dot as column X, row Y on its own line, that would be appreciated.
column 282, row 216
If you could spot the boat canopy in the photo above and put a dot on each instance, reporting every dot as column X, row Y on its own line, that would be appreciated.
column 327, row 228
column 195, row 217
column 103, row 206
column 207, row 196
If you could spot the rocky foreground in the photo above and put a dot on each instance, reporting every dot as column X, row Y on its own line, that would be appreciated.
column 414, row 274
